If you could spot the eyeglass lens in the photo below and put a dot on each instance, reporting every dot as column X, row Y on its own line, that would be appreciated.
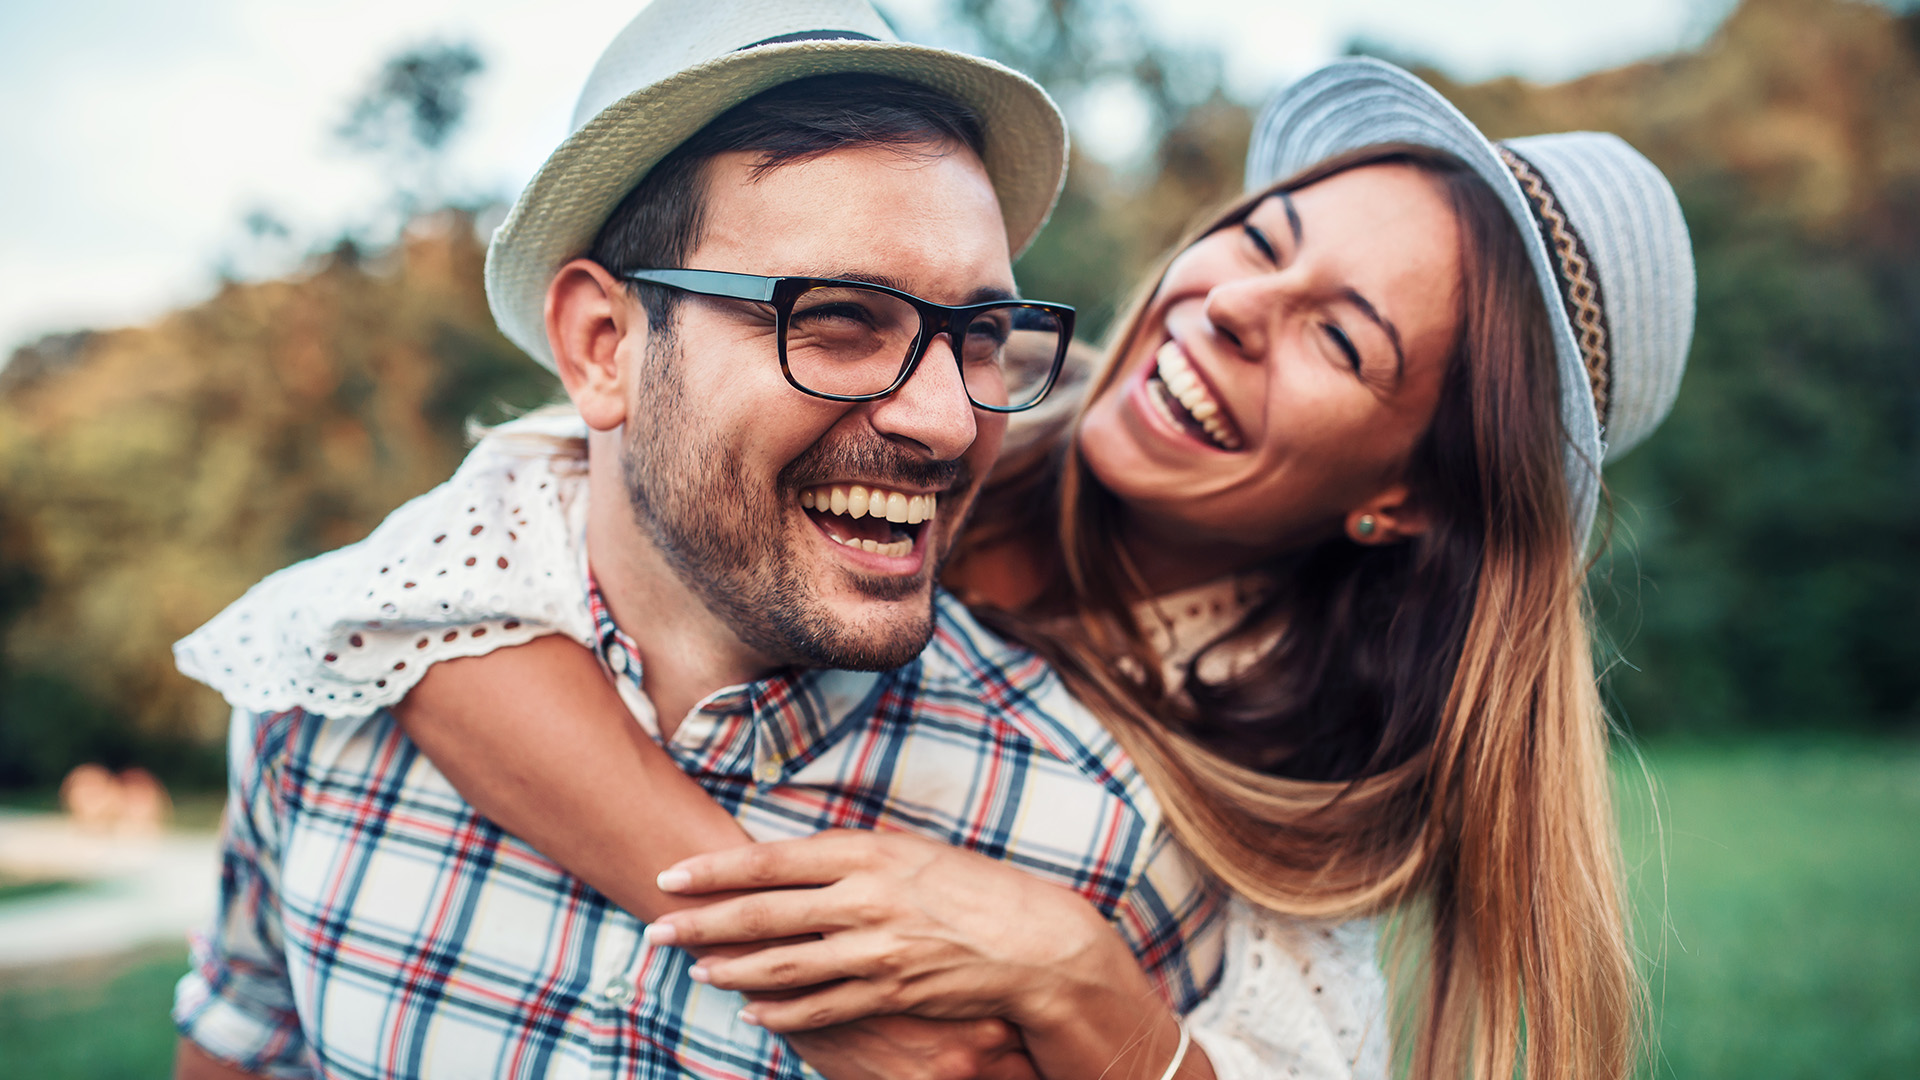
column 851, row 341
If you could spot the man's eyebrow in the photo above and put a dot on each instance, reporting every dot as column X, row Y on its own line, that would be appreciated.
column 1352, row 296
column 980, row 295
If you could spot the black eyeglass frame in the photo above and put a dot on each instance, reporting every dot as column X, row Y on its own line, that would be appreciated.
column 782, row 292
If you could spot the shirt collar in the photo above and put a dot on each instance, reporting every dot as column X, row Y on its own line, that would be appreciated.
column 766, row 728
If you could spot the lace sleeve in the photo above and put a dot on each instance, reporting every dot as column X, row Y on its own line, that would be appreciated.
column 491, row 558
column 1299, row 999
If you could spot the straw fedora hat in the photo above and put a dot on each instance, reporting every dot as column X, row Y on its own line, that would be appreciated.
column 1601, row 224
column 681, row 63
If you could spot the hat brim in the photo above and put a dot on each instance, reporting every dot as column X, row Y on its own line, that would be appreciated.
column 568, row 200
column 1361, row 102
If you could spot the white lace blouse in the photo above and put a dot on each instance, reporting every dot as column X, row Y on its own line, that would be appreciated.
column 495, row 557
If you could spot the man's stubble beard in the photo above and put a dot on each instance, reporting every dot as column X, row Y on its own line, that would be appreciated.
column 727, row 542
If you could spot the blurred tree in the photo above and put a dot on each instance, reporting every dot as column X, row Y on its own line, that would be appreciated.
column 408, row 115
column 164, row 469
column 1762, row 571
column 1115, row 220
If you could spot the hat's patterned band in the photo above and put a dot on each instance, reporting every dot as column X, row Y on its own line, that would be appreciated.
column 1579, row 278
column 811, row 35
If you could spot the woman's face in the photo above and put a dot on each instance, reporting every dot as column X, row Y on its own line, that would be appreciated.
column 1286, row 368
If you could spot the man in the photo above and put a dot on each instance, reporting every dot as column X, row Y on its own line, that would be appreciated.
column 805, row 298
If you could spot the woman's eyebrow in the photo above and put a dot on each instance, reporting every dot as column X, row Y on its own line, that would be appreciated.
column 1293, row 218
column 1352, row 296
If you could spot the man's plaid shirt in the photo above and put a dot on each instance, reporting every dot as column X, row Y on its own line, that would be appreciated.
column 372, row 924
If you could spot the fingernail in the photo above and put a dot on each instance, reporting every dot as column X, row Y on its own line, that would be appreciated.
column 673, row 880
column 660, row 933
column 747, row 1017
column 699, row 973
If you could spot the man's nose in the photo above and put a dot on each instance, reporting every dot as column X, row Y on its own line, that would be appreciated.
column 932, row 410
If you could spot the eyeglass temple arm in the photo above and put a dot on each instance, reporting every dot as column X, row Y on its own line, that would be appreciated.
column 710, row 283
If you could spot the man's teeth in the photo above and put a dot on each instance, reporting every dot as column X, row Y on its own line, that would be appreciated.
column 1174, row 371
column 857, row 501
column 897, row 548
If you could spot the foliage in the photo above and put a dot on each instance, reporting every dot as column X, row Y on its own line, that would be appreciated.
column 410, row 111
column 166, row 468
column 1761, row 574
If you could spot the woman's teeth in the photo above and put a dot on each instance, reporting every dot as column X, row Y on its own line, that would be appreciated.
column 1185, row 391
column 856, row 501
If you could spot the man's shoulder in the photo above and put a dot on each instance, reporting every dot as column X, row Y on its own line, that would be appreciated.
column 969, row 667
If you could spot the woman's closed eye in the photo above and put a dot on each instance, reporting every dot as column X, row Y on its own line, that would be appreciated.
column 1343, row 343
column 1261, row 242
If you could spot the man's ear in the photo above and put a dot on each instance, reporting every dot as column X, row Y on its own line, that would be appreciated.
column 1388, row 518
column 589, row 318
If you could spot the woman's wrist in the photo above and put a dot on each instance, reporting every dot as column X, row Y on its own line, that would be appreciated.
column 1096, row 1015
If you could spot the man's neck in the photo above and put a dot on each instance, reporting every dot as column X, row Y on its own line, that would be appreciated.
column 686, row 651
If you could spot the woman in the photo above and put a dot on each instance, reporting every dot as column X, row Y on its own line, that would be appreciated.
column 1366, row 403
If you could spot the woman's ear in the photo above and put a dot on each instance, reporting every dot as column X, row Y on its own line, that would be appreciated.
column 588, row 319
column 1387, row 518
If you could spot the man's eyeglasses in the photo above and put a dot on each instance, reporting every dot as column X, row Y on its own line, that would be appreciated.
column 855, row 341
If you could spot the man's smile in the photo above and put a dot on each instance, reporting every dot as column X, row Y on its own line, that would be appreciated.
column 871, row 518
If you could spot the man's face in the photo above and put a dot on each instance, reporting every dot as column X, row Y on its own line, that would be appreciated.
column 736, row 476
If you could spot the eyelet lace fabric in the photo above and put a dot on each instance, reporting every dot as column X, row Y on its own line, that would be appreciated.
column 1298, row 999
column 496, row 556
column 488, row 559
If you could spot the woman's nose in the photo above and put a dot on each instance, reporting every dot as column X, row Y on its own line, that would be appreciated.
column 1245, row 310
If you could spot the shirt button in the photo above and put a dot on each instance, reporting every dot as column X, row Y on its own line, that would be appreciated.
column 617, row 659
column 619, row 993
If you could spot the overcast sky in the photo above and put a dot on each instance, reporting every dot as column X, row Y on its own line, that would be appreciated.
column 135, row 137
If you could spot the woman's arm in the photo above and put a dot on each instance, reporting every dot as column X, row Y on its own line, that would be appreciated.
column 537, row 739
column 909, row 925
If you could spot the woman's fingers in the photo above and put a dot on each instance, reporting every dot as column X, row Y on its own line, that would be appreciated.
column 835, row 1004
column 758, row 917
column 813, row 860
column 809, row 963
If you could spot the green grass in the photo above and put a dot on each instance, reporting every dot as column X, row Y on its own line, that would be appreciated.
column 96, row 1020
column 1786, row 945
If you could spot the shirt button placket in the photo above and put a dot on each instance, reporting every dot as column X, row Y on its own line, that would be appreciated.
column 619, row 991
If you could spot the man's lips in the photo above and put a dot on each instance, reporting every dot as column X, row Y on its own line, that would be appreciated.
column 872, row 518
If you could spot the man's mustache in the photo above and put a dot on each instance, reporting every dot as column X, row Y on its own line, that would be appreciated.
column 874, row 460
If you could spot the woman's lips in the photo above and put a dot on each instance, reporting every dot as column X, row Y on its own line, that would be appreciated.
column 1184, row 399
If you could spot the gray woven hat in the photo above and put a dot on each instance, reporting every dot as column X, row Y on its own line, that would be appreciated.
column 681, row 63
column 1601, row 224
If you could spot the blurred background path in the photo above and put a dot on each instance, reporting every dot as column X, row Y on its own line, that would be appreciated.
column 114, row 893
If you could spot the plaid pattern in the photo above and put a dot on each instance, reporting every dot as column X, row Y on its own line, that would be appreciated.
column 373, row 925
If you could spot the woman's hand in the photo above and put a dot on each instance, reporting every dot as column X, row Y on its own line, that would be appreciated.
column 906, row 925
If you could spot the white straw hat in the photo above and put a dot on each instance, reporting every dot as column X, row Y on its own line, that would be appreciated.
column 1601, row 224
column 681, row 63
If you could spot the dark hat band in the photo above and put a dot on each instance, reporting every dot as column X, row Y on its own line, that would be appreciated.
column 811, row 35
column 1578, row 277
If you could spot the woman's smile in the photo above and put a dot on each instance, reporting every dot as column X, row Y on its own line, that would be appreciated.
column 1183, row 396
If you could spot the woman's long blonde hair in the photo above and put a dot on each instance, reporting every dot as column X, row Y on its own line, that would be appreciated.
column 1427, row 736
